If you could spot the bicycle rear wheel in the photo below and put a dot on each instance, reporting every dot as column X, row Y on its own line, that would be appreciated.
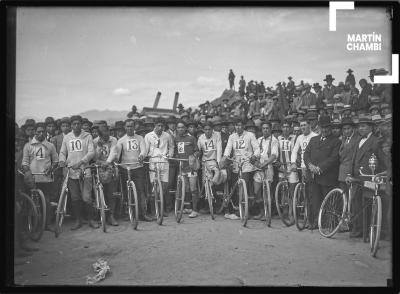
column 282, row 202
column 102, row 208
column 332, row 212
column 267, row 202
column 159, row 201
column 40, row 203
column 376, row 224
column 300, row 206
column 243, row 202
column 210, row 197
column 133, row 205
column 61, row 211
column 179, row 198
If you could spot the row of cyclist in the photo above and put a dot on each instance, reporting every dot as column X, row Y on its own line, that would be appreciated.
column 145, row 165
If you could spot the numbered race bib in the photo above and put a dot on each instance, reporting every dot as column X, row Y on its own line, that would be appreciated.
column 181, row 147
column 210, row 146
column 285, row 145
column 239, row 144
column 105, row 150
column 75, row 145
column 132, row 145
column 39, row 153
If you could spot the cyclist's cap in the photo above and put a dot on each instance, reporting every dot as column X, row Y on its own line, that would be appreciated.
column 76, row 118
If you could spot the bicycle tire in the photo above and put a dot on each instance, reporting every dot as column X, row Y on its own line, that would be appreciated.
column 224, row 202
column 375, row 229
column 179, row 198
column 31, row 211
column 159, row 201
column 300, row 208
column 133, row 215
column 209, row 196
column 332, row 211
column 61, row 211
column 37, row 233
column 282, row 201
column 102, row 208
column 267, row 202
column 243, row 202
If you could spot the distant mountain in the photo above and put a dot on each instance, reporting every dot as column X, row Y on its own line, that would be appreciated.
column 110, row 116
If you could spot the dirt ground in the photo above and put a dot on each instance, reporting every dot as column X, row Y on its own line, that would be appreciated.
column 201, row 251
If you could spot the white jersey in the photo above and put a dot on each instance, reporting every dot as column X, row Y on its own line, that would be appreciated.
column 301, row 142
column 285, row 148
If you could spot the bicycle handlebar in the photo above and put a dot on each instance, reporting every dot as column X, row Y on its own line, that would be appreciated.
column 177, row 159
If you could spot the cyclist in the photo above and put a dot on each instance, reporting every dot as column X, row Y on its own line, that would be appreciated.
column 40, row 156
column 131, row 148
column 103, row 144
column 210, row 146
column 286, row 145
column 77, row 151
column 186, row 148
column 158, row 144
column 301, row 145
column 269, row 152
column 245, row 147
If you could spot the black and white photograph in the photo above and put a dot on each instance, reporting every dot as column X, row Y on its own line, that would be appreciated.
column 202, row 145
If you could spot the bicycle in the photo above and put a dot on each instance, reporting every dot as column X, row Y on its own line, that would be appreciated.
column 99, row 199
column 334, row 213
column 207, row 187
column 266, row 194
column 300, row 203
column 283, row 198
column 36, row 222
column 132, row 198
column 243, row 204
column 157, row 189
column 180, row 191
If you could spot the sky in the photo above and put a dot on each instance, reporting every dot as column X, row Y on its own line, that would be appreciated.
column 70, row 60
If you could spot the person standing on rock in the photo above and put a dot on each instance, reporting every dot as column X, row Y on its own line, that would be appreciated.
column 242, row 86
column 231, row 79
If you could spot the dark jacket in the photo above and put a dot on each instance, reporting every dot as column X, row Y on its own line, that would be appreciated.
column 362, row 102
column 325, row 155
column 362, row 155
column 346, row 152
column 57, row 142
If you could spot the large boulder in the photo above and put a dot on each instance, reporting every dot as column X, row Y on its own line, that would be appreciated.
column 231, row 95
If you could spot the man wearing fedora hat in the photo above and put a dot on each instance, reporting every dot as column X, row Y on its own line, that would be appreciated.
column 367, row 145
column 350, row 140
column 318, row 95
column 322, row 158
column 242, row 86
column 308, row 97
column 350, row 79
column 329, row 89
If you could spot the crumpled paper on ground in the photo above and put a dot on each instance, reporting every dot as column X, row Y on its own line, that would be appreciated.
column 101, row 268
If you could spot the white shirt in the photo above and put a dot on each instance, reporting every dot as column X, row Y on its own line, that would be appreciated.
column 301, row 142
column 362, row 141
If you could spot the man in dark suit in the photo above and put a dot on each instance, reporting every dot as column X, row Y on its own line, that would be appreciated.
column 321, row 157
column 329, row 89
column 350, row 140
column 368, row 144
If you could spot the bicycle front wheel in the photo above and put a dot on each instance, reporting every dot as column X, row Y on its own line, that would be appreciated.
column 300, row 206
column 266, row 193
column 61, row 211
column 179, row 198
column 159, row 201
column 332, row 212
column 30, row 211
column 133, row 205
column 102, row 208
column 243, row 202
column 282, row 202
column 40, row 203
column 209, row 196
column 376, row 224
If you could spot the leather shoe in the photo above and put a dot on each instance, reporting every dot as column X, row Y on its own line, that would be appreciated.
column 93, row 224
column 356, row 234
column 147, row 218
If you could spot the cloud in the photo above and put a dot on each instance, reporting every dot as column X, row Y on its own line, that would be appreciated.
column 121, row 92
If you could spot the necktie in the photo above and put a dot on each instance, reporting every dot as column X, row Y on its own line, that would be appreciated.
column 348, row 140
column 323, row 139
